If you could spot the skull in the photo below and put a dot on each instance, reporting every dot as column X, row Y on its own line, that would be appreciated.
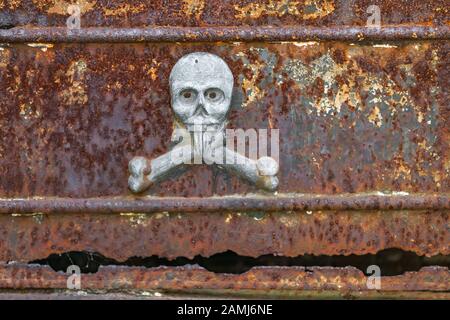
column 201, row 86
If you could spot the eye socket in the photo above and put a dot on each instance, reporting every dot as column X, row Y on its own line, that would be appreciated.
column 214, row 95
column 188, row 96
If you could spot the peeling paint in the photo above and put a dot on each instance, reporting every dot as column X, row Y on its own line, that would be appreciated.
column 38, row 217
column 124, row 10
column 76, row 93
column 329, row 13
column 136, row 219
column 305, row 44
column 194, row 8
column 60, row 6
column 258, row 69
column 27, row 112
column 310, row 9
column 153, row 70
column 5, row 56
column 323, row 68
column 290, row 221
column 272, row 8
column 10, row 4
column 254, row 93
column 375, row 117
column 42, row 46
column 384, row 46
column 316, row 9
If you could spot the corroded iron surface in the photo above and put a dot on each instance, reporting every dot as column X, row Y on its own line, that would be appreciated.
column 26, row 237
column 139, row 13
column 352, row 118
column 189, row 278
column 214, row 34
column 65, row 294
column 280, row 202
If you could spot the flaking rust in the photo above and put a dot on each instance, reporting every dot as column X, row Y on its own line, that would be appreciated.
column 172, row 235
column 270, row 279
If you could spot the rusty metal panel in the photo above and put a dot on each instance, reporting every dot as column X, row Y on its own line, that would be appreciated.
column 364, row 127
column 29, row 237
column 352, row 118
column 248, row 203
column 268, row 279
column 139, row 13
column 219, row 34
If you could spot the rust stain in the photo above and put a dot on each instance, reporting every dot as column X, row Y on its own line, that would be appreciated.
column 42, row 46
column 172, row 234
column 311, row 9
column 316, row 9
column 76, row 92
column 194, row 8
column 153, row 69
column 5, row 55
column 10, row 4
column 125, row 9
column 60, row 6
column 386, row 103
column 102, row 13
column 341, row 280
column 253, row 93
column 352, row 118
column 375, row 117
column 272, row 8
column 27, row 112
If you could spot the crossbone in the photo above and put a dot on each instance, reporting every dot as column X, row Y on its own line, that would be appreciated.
column 201, row 86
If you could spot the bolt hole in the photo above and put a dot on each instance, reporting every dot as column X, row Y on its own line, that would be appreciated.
column 196, row 61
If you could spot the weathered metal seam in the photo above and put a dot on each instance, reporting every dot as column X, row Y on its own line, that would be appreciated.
column 15, row 276
column 211, row 34
column 231, row 203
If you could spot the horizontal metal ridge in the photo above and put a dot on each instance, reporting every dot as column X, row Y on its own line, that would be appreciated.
column 211, row 34
column 286, row 202
column 22, row 276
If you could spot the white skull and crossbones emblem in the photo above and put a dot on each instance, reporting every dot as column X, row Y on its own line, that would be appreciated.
column 201, row 86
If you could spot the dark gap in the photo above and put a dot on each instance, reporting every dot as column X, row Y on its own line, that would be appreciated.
column 6, row 26
column 391, row 261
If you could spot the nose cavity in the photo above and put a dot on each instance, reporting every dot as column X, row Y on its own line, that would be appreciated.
column 201, row 100
column 201, row 106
